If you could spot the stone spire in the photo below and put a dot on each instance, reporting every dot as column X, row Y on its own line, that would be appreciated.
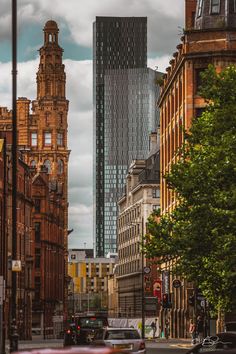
column 51, row 76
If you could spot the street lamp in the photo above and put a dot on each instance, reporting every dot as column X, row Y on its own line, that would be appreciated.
column 142, row 278
column 13, row 333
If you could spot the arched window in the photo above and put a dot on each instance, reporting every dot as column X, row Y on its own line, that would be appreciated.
column 47, row 163
column 60, row 167
column 33, row 163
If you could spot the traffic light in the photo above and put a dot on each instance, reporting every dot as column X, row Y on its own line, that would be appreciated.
column 166, row 304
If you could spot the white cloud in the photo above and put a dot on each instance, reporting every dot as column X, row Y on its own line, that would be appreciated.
column 79, row 93
column 164, row 17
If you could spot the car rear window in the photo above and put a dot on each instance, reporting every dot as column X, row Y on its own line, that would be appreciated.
column 122, row 334
column 230, row 326
column 92, row 322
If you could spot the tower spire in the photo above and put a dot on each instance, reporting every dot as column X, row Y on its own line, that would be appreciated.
column 51, row 77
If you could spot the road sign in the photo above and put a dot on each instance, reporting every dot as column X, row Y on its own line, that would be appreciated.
column 16, row 266
column 150, row 303
column 146, row 270
column 176, row 283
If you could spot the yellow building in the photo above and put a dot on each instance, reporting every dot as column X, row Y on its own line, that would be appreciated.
column 88, row 289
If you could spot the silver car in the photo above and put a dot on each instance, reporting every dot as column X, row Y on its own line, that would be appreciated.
column 125, row 339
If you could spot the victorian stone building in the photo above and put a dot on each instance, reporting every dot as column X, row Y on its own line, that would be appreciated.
column 209, row 38
column 142, row 196
column 43, row 160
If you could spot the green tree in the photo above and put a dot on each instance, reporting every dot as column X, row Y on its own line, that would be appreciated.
column 200, row 234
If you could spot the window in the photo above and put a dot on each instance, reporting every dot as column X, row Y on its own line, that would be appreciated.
column 60, row 167
column 47, row 138
column 199, row 11
column 47, row 164
column 37, row 205
column 215, row 6
column 60, row 139
column 33, row 163
column 156, row 193
column 198, row 79
column 37, row 257
column 37, row 228
column 199, row 112
column 34, row 139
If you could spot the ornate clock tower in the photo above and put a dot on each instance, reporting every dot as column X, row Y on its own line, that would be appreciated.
column 42, row 135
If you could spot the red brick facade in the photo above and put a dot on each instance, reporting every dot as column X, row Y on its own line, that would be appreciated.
column 179, row 102
column 42, row 194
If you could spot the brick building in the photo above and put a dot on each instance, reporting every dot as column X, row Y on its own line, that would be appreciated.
column 43, row 160
column 209, row 38
column 89, row 281
column 49, row 252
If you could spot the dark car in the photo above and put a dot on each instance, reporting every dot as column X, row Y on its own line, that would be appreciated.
column 84, row 329
column 224, row 342
column 230, row 326
column 70, row 335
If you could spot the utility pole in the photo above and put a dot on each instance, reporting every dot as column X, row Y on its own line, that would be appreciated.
column 142, row 283
column 13, row 332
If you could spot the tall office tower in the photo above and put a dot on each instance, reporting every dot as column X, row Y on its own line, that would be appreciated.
column 119, row 43
column 130, row 113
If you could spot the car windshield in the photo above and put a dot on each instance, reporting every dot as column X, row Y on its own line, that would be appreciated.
column 122, row 334
column 91, row 322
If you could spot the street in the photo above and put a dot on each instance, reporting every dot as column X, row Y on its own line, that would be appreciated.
column 172, row 346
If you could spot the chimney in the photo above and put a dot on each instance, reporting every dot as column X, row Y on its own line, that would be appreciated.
column 190, row 11
column 153, row 142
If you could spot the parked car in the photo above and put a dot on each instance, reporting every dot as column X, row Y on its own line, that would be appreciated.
column 127, row 339
column 224, row 342
column 84, row 329
column 74, row 350
column 230, row 326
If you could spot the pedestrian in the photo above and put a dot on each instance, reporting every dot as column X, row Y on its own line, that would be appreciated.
column 200, row 328
column 192, row 331
column 167, row 329
column 154, row 328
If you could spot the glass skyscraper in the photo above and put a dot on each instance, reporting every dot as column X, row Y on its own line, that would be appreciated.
column 130, row 112
column 118, row 43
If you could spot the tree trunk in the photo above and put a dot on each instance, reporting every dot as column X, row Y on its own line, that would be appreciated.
column 220, row 321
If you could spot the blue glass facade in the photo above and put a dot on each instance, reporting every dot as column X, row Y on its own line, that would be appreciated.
column 118, row 43
column 130, row 115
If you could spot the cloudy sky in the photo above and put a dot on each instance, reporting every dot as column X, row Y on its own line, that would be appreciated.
column 75, row 18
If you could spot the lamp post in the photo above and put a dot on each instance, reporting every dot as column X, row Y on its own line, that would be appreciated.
column 13, row 331
column 142, row 279
column 142, row 284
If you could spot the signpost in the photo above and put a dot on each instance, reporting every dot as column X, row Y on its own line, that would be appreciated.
column 150, row 304
column 176, row 283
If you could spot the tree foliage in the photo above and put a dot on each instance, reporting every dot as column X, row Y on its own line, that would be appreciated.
column 200, row 233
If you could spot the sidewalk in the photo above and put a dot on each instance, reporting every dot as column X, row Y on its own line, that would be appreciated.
column 37, row 342
column 184, row 343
